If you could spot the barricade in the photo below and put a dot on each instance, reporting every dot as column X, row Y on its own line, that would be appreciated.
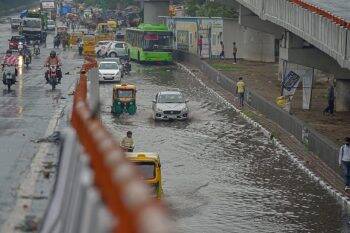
column 97, row 189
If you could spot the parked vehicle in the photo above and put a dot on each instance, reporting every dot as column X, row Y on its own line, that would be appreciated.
column 117, row 49
column 9, row 76
column 124, row 99
column 109, row 71
column 149, row 167
column 170, row 105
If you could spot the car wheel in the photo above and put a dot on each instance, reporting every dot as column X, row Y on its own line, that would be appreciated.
column 99, row 53
column 113, row 54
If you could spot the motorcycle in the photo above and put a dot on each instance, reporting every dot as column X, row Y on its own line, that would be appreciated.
column 53, row 76
column 80, row 49
column 36, row 50
column 9, row 76
column 127, row 67
column 20, row 48
column 56, row 43
column 27, row 60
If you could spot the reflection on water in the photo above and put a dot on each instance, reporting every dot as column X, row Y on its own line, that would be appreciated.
column 221, row 174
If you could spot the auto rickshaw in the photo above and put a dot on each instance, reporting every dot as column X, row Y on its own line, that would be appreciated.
column 124, row 99
column 89, row 44
column 149, row 166
column 112, row 25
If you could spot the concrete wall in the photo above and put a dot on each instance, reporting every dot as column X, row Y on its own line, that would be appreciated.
column 154, row 9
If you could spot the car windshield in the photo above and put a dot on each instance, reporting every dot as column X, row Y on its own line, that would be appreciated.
column 171, row 98
column 147, row 170
column 109, row 66
column 32, row 23
column 125, row 93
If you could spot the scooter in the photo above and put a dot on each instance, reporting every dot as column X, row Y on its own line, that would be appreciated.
column 27, row 60
column 9, row 76
column 80, row 49
column 53, row 76
column 36, row 50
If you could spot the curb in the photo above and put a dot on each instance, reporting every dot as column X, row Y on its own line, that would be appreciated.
column 344, row 200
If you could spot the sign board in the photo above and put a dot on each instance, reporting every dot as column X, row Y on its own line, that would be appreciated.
column 48, row 5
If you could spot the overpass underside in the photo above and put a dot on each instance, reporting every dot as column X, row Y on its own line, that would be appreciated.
column 305, row 39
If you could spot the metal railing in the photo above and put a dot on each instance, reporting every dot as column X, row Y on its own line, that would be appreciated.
column 324, row 30
column 97, row 189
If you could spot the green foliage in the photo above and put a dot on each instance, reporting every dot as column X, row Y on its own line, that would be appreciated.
column 202, row 8
column 110, row 4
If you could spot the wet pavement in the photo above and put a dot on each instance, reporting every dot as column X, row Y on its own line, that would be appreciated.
column 220, row 174
column 25, row 113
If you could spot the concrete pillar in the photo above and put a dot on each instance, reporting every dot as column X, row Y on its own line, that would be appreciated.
column 153, row 9
column 342, row 99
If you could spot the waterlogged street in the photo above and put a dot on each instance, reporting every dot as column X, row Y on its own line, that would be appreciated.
column 26, row 114
column 221, row 174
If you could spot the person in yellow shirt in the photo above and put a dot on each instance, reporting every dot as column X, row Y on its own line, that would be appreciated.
column 128, row 143
column 240, row 89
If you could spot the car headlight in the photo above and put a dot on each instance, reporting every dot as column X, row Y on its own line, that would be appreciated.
column 158, row 109
column 99, row 74
column 185, row 109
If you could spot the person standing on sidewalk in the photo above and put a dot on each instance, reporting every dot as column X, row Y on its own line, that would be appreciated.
column 234, row 52
column 240, row 89
column 344, row 160
column 200, row 45
column 331, row 99
column 222, row 54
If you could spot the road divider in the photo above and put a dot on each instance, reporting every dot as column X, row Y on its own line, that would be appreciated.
column 97, row 189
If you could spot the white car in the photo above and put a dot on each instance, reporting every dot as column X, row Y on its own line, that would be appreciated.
column 51, row 25
column 117, row 49
column 170, row 105
column 102, row 47
column 109, row 71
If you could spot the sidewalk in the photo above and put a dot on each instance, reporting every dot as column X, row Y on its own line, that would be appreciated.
column 262, row 78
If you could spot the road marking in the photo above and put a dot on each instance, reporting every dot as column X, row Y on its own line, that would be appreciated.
column 28, row 184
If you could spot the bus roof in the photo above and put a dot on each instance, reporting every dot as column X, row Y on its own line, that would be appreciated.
column 151, row 27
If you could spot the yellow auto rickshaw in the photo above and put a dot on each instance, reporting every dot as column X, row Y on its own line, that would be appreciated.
column 74, row 38
column 89, row 44
column 124, row 99
column 149, row 166
column 112, row 25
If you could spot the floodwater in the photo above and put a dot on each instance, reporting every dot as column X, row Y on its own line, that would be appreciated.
column 220, row 174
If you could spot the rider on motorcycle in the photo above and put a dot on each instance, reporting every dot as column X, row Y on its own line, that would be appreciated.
column 11, row 60
column 26, row 52
column 53, row 59
column 36, row 45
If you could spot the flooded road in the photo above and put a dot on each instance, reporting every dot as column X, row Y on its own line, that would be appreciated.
column 25, row 113
column 220, row 174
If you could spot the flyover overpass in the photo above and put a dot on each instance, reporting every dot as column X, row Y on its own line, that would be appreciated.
column 312, row 33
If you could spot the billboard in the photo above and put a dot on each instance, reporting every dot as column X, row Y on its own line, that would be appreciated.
column 48, row 5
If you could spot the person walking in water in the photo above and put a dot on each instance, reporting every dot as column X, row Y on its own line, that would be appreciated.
column 344, row 161
column 128, row 143
column 234, row 52
column 240, row 89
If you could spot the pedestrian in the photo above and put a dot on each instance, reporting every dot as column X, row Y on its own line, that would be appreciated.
column 344, row 160
column 234, row 52
column 331, row 99
column 222, row 54
column 128, row 143
column 200, row 45
column 240, row 89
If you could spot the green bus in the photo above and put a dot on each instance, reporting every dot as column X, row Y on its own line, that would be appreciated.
column 150, row 43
